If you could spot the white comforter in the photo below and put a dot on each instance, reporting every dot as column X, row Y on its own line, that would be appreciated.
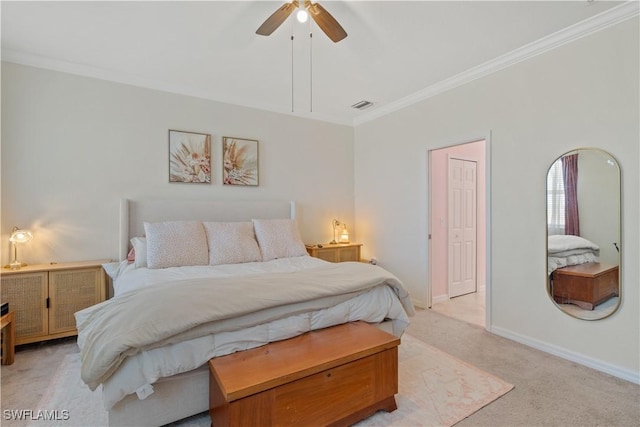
column 163, row 329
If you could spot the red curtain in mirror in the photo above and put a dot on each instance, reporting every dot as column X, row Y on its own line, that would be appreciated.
column 570, row 175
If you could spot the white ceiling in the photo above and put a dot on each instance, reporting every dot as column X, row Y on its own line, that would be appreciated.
column 394, row 49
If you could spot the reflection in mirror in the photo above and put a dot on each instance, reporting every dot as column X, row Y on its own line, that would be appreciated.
column 583, row 233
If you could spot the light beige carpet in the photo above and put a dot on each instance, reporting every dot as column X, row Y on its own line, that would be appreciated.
column 435, row 389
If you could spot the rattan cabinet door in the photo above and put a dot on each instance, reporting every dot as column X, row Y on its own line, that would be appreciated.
column 27, row 298
column 71, row 291
column 349, row 254
column 328, row 254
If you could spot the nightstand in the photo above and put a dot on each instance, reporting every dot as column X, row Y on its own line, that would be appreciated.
column 340, row 252
column 8, row 338
column 45, row 297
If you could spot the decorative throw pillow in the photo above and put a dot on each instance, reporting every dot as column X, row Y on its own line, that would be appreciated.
column 131, row 256
column 139, row 249
column 278, row 238
column 176, row 244
column 231, row 242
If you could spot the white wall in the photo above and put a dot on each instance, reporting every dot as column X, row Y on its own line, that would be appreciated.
column 583, row 94
column 73, row 146
column 599, row 202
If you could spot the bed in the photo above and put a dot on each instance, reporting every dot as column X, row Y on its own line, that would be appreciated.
column 175, row 307
column 566, row 250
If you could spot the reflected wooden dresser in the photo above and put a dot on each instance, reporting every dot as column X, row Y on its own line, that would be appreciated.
column 585, row 285
column 45, row 297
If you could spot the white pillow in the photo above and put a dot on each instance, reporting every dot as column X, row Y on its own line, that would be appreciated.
column 278, row 238
column 176, row 244
column 231, row 242
column 139, row 245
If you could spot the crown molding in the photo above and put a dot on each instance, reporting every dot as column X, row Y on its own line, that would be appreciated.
column 606, row 19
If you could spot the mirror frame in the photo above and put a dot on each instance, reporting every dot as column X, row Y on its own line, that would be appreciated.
column 619, row 232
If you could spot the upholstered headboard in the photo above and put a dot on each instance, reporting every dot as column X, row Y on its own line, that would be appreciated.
column 134, row 213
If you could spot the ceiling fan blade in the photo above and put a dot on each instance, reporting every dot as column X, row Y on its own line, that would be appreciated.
column 325, row 21
column 277, row 18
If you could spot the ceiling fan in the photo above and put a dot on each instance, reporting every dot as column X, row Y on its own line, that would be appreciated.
column 325, row 21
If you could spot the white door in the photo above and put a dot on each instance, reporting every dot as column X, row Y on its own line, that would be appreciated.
column 462, row 227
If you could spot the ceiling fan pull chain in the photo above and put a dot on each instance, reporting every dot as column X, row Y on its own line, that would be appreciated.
column 310, row 71
column 292, row 68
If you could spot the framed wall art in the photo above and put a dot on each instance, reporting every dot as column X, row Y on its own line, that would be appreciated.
column 189, row 157
column 240, row 161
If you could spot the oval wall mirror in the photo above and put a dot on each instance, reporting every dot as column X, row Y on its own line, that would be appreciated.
column 583, row 233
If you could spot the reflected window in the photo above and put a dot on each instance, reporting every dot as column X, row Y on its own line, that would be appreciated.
column 555, row 200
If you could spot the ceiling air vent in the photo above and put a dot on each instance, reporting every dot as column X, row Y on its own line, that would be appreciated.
column 362, row 105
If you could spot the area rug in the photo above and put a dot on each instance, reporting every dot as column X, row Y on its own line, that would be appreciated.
column 435, row 389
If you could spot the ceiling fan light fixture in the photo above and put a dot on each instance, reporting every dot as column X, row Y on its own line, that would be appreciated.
column 302, row 15
column 319, row 14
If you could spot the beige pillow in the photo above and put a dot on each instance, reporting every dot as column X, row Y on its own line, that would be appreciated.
column 278, row 238
column 231, row 242
column 176, row 244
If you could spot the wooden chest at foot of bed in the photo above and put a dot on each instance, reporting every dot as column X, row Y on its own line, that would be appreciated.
column 585, row 285
column 332, row 376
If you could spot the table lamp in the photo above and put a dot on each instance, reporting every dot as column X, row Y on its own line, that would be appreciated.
column 18, row 236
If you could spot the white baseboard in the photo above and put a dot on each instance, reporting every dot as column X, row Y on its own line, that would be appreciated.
column 444, row 298
column 440, row 298
column 419, row 303
column 599, row 365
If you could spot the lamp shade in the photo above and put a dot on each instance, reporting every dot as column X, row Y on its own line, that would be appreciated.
column 20, row 236
column 344, row 235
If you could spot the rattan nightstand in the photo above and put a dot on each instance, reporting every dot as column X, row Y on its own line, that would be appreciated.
column 45, row 297
column 340, row 252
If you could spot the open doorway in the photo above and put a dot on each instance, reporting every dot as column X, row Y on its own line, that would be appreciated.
column 458, row 231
